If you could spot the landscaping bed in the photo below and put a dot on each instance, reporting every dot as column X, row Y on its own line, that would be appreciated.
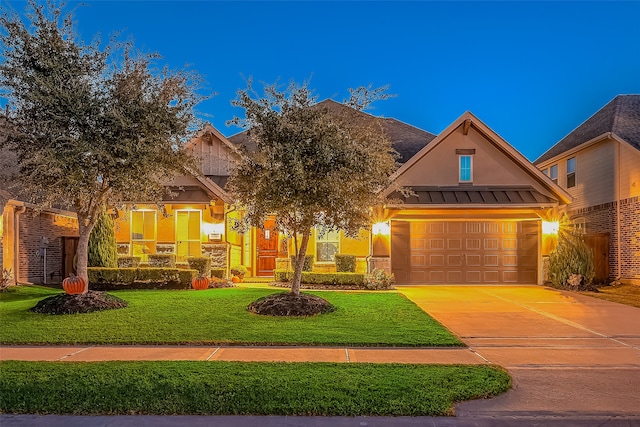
column 233, row 388
column 220, row 316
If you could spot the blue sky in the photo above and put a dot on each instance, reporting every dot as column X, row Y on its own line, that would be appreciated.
column 532, row 71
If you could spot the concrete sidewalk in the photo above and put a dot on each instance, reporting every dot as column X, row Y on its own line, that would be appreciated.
column 243, row 354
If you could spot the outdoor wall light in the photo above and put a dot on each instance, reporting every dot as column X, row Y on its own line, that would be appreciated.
column 550, row 227
column 381, row 228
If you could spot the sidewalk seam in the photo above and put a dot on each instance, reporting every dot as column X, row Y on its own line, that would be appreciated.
column 74, row 353
column 212, row 354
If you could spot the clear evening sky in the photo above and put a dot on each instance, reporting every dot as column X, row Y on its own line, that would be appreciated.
column 532, row 71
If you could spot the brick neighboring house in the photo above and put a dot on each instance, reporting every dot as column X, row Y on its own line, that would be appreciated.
column 598, row 163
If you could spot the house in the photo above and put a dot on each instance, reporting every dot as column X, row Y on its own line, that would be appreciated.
column 598, row 163
column 475, row 215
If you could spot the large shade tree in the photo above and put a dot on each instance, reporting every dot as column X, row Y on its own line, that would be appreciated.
column 312, row 167
column 90, row 124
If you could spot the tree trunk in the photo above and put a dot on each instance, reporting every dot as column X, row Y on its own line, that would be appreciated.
column 83, row 252
column 297, row 273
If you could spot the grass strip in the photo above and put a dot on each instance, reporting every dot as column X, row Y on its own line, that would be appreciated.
column 219, row 316
column 233, row 388
column 626, row 294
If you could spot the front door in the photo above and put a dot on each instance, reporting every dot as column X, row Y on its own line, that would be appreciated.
column 69, row 250
column 267, row 248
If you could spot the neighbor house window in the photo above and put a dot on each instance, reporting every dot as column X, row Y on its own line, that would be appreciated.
column 553, row 173
column 465, row 169
column 327, row 245
column 143, row 234
column 571, row 172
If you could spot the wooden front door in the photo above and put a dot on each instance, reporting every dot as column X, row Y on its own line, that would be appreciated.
column 267, row 249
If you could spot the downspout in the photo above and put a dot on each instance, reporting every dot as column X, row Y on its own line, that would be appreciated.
column 619, row 239
column 16, row 241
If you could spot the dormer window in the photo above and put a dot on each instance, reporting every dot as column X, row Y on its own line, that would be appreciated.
column 466, row 168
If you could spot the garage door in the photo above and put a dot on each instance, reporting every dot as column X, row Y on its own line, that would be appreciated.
column 464, row 252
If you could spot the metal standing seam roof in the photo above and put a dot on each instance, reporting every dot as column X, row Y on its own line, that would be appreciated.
column 474, row 195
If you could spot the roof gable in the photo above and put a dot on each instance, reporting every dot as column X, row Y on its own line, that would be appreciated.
column 496, row 164
column 621, row 116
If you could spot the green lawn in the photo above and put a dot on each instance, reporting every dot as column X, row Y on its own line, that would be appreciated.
column 218, row 316
column 230, row 388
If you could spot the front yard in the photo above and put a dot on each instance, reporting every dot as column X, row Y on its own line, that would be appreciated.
column 623, row 294
column 227, row 388
column 218, row 316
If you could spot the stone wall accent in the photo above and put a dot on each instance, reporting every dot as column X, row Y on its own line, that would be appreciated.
column 603, row 219
column 380, row 262
column 217, row 252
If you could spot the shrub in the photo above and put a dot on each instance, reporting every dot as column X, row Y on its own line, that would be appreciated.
column 328, row 279
column 218, row 272
column 128, row 261
column 308, row 262
column 345, row 263
column 5, row 279
column 103, row 249
column 571, row 257
column 238, row 270
column 108, row 279
column 162, row 260
column 200, row 263
column 378, row 279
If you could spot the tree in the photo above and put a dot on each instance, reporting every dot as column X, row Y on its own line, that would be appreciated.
column 103, row 249
column 311, row 167
column 90, row 126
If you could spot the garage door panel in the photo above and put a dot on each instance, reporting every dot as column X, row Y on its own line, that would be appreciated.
column 459, row 252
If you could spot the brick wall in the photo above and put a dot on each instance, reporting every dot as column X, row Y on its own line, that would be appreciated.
column 602, row 219
column 31, row 260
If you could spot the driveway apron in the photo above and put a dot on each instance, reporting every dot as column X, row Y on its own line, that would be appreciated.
column 567, row 353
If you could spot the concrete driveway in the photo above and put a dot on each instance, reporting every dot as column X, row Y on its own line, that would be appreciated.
column 567, row 353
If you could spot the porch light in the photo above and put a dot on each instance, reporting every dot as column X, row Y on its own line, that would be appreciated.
column 550, row 227
column 381, row 228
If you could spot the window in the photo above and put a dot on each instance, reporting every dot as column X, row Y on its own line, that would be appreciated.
column 143, row 234
column 465, row 169
column 553, row 173
column 327, row 245
column 188, row 235
column 571, row 172
column 545, row 171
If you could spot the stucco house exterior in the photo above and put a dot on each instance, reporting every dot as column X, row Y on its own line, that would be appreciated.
column 598, row 164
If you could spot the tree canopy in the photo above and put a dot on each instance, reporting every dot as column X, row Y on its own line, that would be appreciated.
column 89, row 125
column 312, row 166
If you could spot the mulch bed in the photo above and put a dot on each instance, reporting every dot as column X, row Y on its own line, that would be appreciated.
column 290, row 305
column 323, row 287
column 82, row 303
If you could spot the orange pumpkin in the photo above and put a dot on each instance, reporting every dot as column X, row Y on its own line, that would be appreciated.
column 200, row 283
column 236, row 279
column 73, row 285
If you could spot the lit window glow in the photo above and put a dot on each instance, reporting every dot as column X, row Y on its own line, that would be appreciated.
column 381, row 228
column 550, row 227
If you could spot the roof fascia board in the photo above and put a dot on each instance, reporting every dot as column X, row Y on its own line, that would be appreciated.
column 62, row 212
column 468, row 206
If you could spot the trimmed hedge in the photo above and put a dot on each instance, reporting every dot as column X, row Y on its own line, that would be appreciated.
column 162, row 260
column 345, row 263
column 200, row 263
column 218, row 272
column 111, row 279
column 341, row 279
column 308, row 262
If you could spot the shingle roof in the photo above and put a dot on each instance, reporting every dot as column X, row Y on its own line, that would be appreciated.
column 474, row 195
column 407, row 140
column 620, row 116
